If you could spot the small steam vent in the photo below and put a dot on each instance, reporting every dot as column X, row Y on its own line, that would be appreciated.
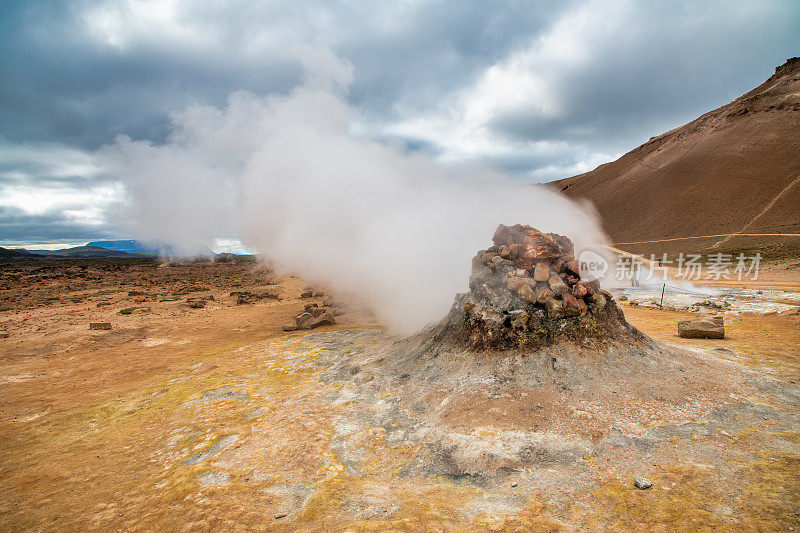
column 526, row 292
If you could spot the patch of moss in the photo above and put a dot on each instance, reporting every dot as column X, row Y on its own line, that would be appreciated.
column 131, row 310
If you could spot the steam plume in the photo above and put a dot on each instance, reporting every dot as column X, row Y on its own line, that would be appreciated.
column 285, row 173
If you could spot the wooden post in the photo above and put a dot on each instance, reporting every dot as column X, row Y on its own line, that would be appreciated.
column 662, row 295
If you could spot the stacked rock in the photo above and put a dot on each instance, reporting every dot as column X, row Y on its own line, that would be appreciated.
column 525, row 286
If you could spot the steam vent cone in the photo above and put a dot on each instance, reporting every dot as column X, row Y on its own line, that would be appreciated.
column 526, row 293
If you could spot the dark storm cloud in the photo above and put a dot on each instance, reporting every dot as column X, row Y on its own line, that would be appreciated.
column 538, row 89
column 668, row 64
column 19, row 228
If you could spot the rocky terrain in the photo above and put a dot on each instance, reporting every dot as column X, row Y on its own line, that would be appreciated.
column 187, row 416
column 734, row 170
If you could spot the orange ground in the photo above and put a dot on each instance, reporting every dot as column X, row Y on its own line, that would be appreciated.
column 95, row 422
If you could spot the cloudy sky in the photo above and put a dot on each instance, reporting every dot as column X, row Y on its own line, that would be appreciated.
column 541, row 90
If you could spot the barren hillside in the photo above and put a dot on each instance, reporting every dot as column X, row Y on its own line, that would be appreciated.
column 733, row 170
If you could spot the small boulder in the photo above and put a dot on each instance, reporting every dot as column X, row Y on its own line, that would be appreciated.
column 571, row 307
column 100, row 325
column 579, row 290
column 315, row 317
column 542, row 271
column 526, row 293
column 598, row 301
column 710, row 327
column 543, row 293
column 557, row 285
column 554, row 309
column 642, row 483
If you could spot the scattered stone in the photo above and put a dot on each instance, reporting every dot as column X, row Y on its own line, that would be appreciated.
column 197, row 303
column 246, row 297
column 712, row 327
column 278, row 516
column 642, row 483
column 100, row 325
column 310, row 292
column 290, row 327
column 4, row 335
column 315, row 317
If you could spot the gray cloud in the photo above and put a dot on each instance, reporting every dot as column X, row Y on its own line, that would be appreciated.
column 537, row 89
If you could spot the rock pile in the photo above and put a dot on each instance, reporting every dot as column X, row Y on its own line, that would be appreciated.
column 312, row 316
column 247, row 297
column 526, row 291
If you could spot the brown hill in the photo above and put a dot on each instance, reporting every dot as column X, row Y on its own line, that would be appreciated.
column 734, row 170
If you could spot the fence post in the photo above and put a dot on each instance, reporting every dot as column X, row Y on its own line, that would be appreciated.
column 664, row 286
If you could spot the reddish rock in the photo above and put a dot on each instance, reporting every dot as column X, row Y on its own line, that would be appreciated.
column 533, row 244
column 527, row 264
column 542, row 271
column 566, row 246
column 592, row 286
column 570, row 304
column 574, row 267
column 579, row 290
column 557, row 285
column 583, row 306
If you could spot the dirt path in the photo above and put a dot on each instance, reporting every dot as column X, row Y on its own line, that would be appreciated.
column 731, row 235
column 752, row 220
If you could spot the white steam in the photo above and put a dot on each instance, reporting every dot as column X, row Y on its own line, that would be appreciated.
column 286, row 175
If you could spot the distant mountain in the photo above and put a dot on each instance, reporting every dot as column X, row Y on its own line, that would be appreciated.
column 83, row 252
column 15, row 255
column 140, row 248
column 729, row 179
column 132, row 247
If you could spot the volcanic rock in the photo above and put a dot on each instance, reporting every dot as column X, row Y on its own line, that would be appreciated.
column 511, row 307
column 702, row 328
column 542, row 271
column 314, row 317
column 557, row 285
